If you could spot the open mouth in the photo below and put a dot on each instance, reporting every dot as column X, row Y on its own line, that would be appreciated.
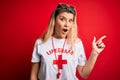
column 65, row 30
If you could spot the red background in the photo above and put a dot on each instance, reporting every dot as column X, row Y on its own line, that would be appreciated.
column 22, row 22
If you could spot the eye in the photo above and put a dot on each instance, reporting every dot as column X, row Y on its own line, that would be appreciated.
column 71, row 20
column 62, row 19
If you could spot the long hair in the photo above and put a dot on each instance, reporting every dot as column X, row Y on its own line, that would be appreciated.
column 72, row 36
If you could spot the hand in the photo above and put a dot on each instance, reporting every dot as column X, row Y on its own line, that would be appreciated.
column 98, row 46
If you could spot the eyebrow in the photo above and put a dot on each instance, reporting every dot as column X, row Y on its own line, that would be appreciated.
column 64, row 17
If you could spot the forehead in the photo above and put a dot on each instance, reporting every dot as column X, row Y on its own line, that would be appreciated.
column 66, row 15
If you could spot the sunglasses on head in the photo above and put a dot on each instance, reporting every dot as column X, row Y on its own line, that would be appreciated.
column 64, row 6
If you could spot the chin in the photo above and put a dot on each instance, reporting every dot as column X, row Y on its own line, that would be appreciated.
column 63, row 36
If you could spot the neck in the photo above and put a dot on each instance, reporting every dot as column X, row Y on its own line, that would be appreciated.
column 59, row 37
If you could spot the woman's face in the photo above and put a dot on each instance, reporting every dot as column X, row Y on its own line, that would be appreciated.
column 63, row 24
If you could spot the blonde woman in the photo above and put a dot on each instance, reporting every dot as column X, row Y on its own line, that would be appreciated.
column 59, row 52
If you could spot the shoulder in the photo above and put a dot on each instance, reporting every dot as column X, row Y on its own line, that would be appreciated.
column 79, row 43
column 38, row 41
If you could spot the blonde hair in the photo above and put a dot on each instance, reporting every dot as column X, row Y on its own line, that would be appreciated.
column 72, row 36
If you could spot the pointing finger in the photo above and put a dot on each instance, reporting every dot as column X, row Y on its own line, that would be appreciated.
column 101, row 38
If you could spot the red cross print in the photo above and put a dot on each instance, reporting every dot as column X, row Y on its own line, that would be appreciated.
column 59, row 62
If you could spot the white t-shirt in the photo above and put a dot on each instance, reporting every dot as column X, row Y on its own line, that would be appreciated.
column 44, row 53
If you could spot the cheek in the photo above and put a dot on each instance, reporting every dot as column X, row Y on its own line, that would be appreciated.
column 59, row 25
column 70, row 27
column 57, row 28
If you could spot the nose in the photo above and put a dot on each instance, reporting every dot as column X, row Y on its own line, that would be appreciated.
column 66, row 24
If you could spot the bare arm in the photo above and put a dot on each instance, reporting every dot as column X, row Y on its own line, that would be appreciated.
column 86, row 70
column 34, row 71
column 98, row 47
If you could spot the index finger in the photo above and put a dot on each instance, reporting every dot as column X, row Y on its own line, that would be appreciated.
column 101, row 38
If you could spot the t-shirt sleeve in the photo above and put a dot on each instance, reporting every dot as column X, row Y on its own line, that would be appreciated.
column 35, row 55
column 81, row 54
